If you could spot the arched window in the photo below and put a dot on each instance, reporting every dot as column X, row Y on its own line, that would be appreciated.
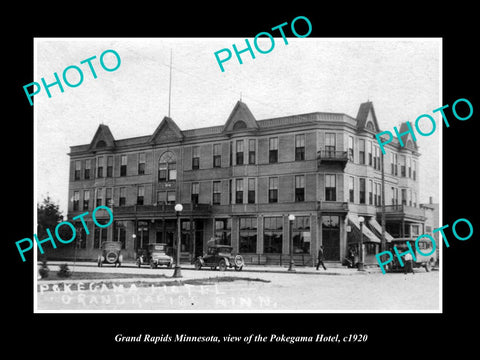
column 167, row 167
column 101, row 144
column 370, row 126
column 409, row 144
column 239, row 125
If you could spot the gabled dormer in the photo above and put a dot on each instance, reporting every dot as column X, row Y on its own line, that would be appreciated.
column 366, row 118
column 167, row 131
column 240, row 119
column 407, row 139
column 103, row 139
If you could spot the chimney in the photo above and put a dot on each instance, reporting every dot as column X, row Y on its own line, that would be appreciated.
column 431, row 199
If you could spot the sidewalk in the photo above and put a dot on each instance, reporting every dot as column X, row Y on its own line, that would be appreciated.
column 309, row 270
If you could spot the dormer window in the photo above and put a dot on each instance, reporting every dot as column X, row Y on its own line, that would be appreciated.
column 239, row 125
column 101, row 144
column 370, row 126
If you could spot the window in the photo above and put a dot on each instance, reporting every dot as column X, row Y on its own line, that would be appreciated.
column 99, row 197
column 361, row 151
column 108, row 197
column 239, row 191
column 81, row 241
column 88, row 165
column 362, row 182
column 375, row 195
column 378, row 191
column 375, row 158
column 350, row 149
column 123, row 165
column 273, row 235
column 109, row 166
column 251, row 151
column 251, row 191
column 330, row 188
column 123, row 196
column 396, row 197
column 217, row 157
column 76, row 200
column 351, row 189
column 140, row 194
column 409, row 166
column 216, row 193
column 392, row 163
column 414, row 170
column 78, row 167
column 248, row 235
column 273, row 190
column 161, row 197
column 299, row 188
column 330, row 144
column 410, row 197
column 404, row 196
column 369, row 144
column 273, row 150
column 223, row 230
column 300, row 147
column 395, row 157
column 171, row 197
column 86, row 199
column 141, row 164
column 301, row 235
column 370, row 192
column 195, row 192
column 239, row 152
column 402, row 166
column 167, row 169
column 100, row 167
column 195, row 158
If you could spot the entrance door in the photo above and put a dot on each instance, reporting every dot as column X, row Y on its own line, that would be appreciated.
column 331, row 237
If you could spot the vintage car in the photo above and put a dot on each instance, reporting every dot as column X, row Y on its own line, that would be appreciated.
column 221, row 256
column 154, row 255
column 111, row 253
column 425, row 246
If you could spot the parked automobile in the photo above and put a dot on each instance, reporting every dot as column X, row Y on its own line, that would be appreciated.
column 219, row 256
column 425, row 246
column 111, row 254
column 154, row 255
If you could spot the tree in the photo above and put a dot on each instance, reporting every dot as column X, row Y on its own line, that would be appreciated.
column 48, row 216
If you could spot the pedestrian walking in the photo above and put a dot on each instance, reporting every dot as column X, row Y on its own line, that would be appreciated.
column 320, row 258
column 408, row 266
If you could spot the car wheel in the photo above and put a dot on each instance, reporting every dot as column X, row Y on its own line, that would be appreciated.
column 198, row 265
column 222, row 265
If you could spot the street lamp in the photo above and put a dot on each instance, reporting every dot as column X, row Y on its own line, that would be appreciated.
column 177, row 273
column 291, row 267
column 361, row 219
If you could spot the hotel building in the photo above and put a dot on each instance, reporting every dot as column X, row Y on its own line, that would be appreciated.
column 238, row 182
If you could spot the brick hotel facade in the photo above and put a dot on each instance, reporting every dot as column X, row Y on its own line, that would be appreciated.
column 239, row 181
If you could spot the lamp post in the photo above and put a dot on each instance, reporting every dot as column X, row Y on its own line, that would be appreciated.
column 291, row 267
column 177, row 273
column 361, row 219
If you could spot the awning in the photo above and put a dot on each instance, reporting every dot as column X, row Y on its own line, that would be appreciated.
column 374, row 223
column 371, row 237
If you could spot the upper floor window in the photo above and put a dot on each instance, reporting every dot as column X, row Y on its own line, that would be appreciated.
column 369, row 151
column 361, row 151
column 273, row 190
column 109, row 166
column 402, row 165
column 350, row 148
column 88, row 166
column 217, row 193
column 217, row 155
column 141, row 164
column 195, row 158
column 239, row 191
column 414, row 170
column 251, row 191
column 140, row 194
column 362, row 191
column 299, row 147
column 86, row 199
column 330, row 188
column 330, row 144
column 78, row 167
column 123, row 165
column 299, row 188
column 239, row 125
column 76, row 200
column 167, row 170
column 195, row 192
column 239, row 152
column 100, row 167
column 251, row 151
column 273, row 150
column 351, row 189
column 123, row 196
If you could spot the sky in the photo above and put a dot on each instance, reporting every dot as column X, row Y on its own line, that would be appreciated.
column 401, row 76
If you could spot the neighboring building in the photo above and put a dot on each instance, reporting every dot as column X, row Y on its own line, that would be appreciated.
column 432, row 213
column 239, row 181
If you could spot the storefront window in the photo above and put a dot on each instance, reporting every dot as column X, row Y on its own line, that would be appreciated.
column 273, row 235
column 301, row 235
column 248, row 235
column 223, row 231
